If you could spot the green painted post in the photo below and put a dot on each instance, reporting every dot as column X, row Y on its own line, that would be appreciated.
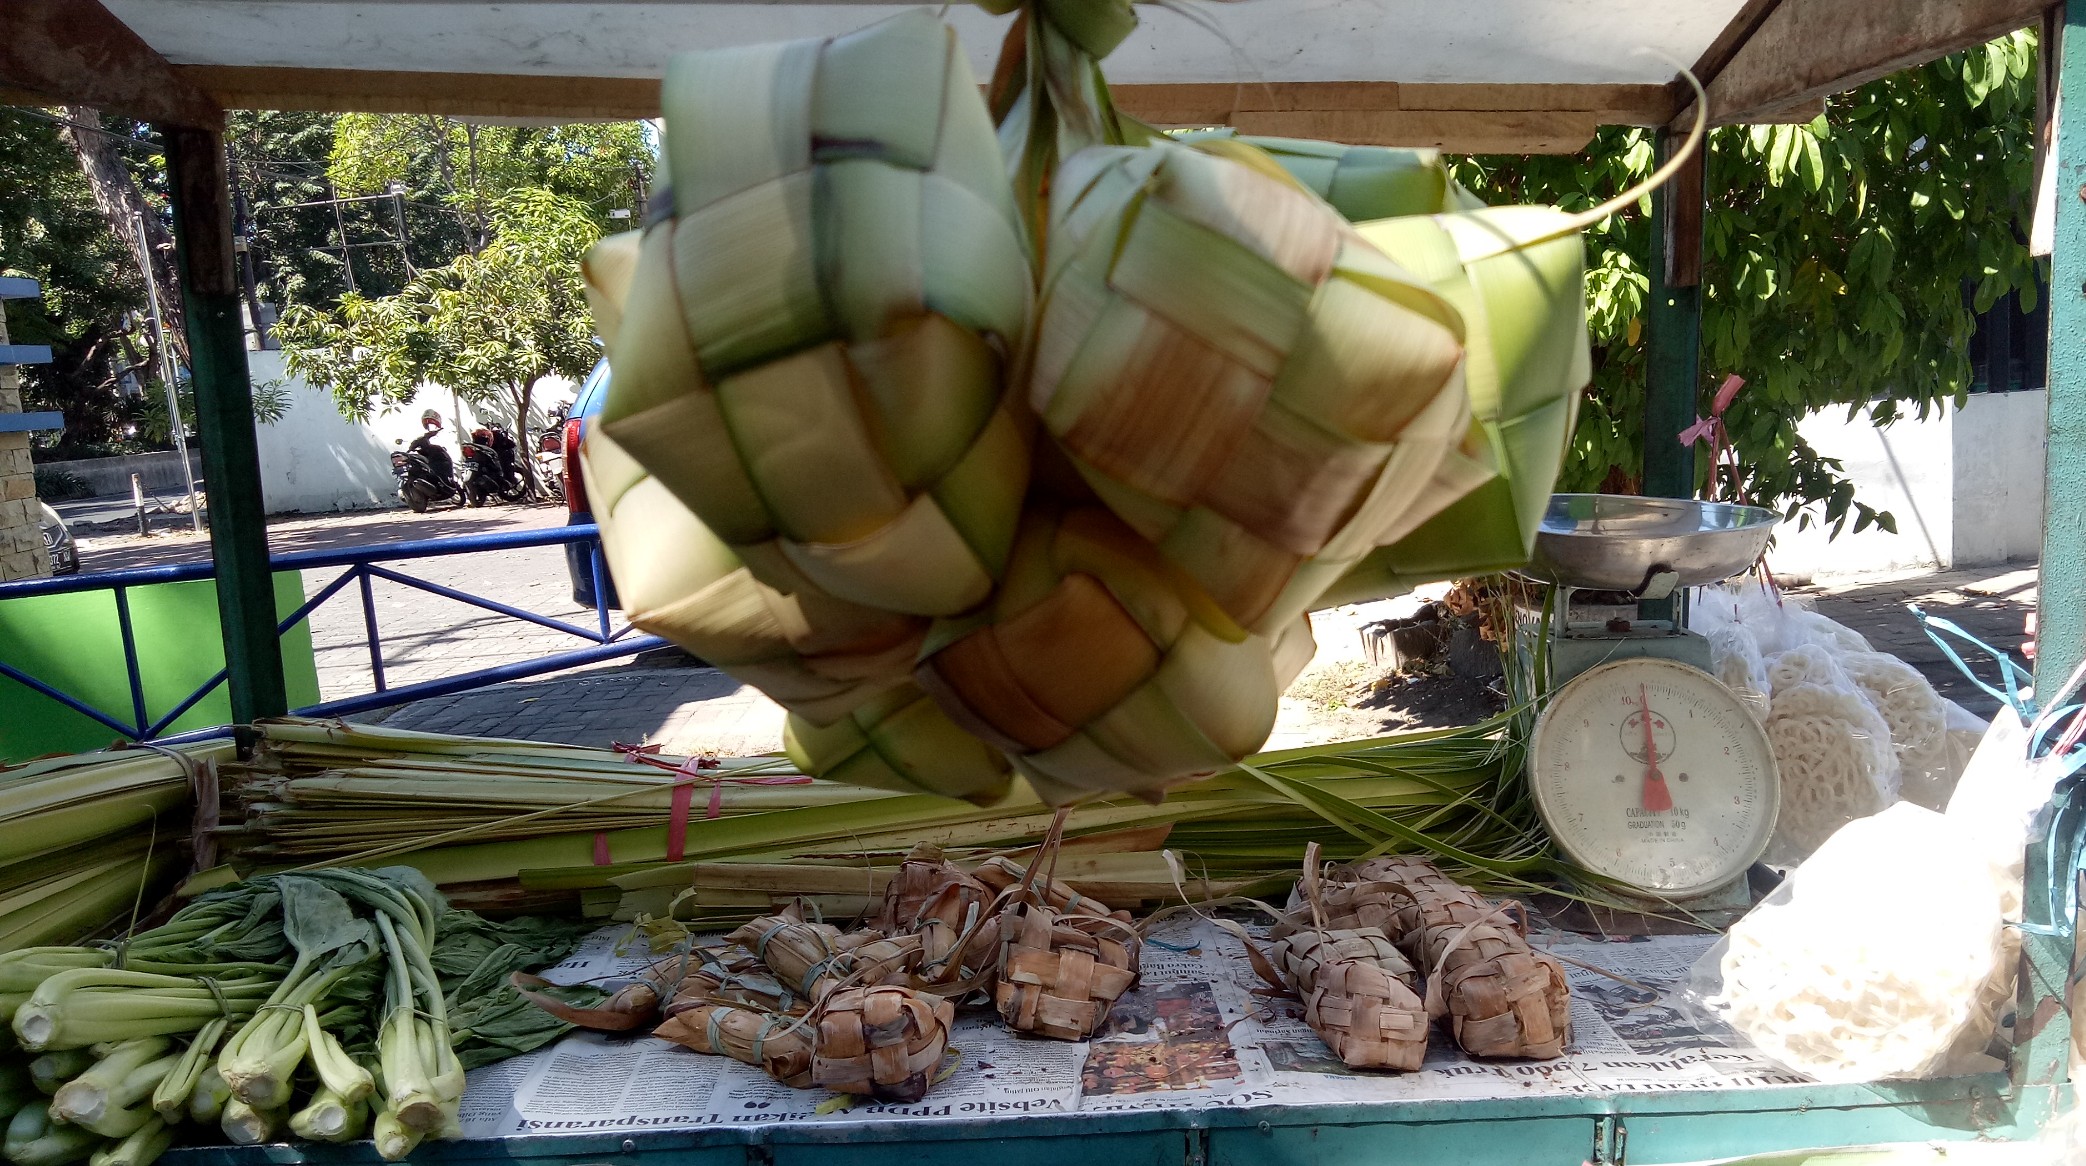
column 2061, row 603
column 1672, row 338
column 225, row 420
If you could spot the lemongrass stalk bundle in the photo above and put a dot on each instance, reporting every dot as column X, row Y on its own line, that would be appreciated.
column 1455, row 794
column 207, row 1104
column 127, row 1075
column 144, row 1144
column 244, row 1125
column 330, row 1117
column 86, row 1006
column 171, row 1097
column 33, row 1139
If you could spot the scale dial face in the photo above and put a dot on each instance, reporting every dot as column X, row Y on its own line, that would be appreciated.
column 1654, row 774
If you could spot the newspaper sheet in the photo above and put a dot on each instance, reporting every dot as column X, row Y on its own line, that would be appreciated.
column 1199, row 1029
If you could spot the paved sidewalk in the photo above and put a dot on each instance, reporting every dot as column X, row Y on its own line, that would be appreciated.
column 1991, row 603
column 425, row 636
column 689, row 710
column 682, row 709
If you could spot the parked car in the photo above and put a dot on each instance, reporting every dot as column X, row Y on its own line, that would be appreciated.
column 65, row 554
column 578, row 558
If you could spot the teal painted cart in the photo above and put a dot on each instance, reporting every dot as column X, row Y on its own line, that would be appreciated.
column 1538, row 76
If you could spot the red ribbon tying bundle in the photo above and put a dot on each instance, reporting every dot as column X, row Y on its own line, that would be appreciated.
column 703, row 767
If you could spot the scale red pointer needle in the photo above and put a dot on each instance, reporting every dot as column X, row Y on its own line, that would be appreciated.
column 1657, row 798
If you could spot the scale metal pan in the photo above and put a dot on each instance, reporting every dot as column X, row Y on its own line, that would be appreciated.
column 1619, row 542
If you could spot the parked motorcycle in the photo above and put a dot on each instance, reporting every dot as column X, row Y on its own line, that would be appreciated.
column 425, row 474
column 492, row 467
column 550, row 460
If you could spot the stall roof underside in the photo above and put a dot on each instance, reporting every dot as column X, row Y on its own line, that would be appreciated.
column 1479, row 75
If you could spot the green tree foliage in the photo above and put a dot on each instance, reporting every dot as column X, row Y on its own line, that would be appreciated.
column 279, row 161
column 467, row 167
column 447, row 174
column 1836, row 254
column 488, row 325
column 51, row 231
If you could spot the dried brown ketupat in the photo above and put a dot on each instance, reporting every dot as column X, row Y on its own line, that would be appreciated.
column 808, row 958
column 1000, row 873
column 1501, row 997
column 1059, row 974
column 1361, row 995
column 882, row 1041
column 776, row 1044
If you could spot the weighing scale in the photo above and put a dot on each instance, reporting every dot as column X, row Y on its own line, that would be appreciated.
column 1644, row 767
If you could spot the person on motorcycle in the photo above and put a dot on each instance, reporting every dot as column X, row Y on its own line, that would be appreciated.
column 438, row 458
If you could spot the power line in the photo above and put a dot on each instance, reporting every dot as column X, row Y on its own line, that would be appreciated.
column 121, row 139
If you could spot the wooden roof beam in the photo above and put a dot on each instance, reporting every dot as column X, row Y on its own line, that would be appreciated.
column 1802, row 51
column 75, row 52
column 1505, row 119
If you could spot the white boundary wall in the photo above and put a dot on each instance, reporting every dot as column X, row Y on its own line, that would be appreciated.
column 315, row 461
column 1965, row 485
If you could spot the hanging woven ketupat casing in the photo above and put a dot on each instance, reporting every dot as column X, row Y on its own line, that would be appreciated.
column 1323, row 382
column 812, row 351
column 1361, row 182
column 815, row 351
column 1500, row 997
column 1524, row 312
column 885, row 1042
column 839, row 668
column 1517, row 276
column 815, row 655
column 898, row 739
column 1097, row 669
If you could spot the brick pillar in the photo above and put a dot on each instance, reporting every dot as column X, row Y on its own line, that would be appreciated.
column 21, row 541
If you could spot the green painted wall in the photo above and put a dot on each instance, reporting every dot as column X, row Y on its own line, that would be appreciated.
column 73, row 644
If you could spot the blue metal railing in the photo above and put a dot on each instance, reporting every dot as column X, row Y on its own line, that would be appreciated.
column 607, row 643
